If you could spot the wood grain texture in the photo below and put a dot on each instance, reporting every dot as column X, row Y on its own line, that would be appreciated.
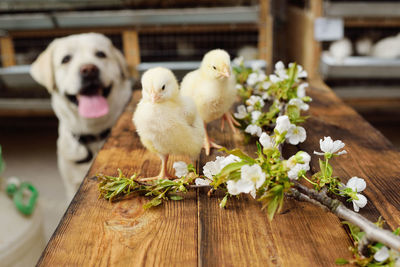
column 95, row 232
column 370, row 155
column 196, row 231
column 242, row 234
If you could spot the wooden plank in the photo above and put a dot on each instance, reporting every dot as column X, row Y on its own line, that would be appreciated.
column 370, row 155
column 94, row 232
column 265, row 34
column 303, row 235
column 7, row 51
column 372, row 22
column 130, row 41
column 144, row 29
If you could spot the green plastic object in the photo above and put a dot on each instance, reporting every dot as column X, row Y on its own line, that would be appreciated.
column 11, row 189
column 28, row 207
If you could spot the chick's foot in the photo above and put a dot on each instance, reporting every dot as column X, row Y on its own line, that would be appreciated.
column 164, row 174
column 231, row 122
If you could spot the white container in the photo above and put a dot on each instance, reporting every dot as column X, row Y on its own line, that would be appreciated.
column 21, row 237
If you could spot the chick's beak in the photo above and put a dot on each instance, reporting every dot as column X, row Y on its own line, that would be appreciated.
column 226, row 72
column 154, row 97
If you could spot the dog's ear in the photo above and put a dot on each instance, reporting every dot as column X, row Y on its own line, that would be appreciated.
column 123, row 66
column 42, row 69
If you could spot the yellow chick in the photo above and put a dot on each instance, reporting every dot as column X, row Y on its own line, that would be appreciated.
column 212, row 87
column 167, row 122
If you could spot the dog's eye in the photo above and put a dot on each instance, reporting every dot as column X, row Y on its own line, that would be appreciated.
column 66, row 59
column 214, row 67
column 163, row 87
column 100, row 54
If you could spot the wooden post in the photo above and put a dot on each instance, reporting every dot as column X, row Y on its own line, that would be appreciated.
column 130, row 40
column 7, row 51
column 265, row 34
column 316, row 7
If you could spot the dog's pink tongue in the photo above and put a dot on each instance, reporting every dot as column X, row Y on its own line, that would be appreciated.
column 92, row 106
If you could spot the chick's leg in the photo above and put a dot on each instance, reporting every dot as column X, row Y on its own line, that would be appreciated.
column 208, row 143
column 231, row 122
column 164, row 174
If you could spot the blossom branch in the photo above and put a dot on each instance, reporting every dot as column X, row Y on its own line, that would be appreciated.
column 372, row 232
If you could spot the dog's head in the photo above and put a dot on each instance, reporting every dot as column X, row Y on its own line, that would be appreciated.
column 83, row 68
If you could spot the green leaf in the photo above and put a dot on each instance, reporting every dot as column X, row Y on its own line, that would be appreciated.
column 175, row 197
column 272, row 207
column 239, row 153
column 152, row 203
column 231, row 168
column 341, row 261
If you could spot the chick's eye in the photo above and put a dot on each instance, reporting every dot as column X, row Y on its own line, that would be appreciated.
column 163, row 87
column 100, row 54
column 214, row 67
column 66, row 59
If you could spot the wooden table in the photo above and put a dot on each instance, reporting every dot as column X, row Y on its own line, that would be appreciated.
column 94, row 232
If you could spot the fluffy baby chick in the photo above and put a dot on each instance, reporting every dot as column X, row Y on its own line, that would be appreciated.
column 167, row 122
column 212, row 88
column 341, row 49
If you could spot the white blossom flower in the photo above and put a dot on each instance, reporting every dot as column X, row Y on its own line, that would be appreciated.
column 266, row 96
column 251, row 178
column 300, row 157
column 255, row 78
column 382, row 254
column 280, row 70
column 275, row 79
column 301, row 73
column 241, row 112
column 238, row 86
column 299, row 103
column 253, row 130
column 296, row 135
column 252, row 79
column 293, row 173
column 301, row 90
column 253, row 100
column 181, row 168
column 265, row 85
column 305, row 157
column 228, row 160
column 200, row 181
column 329, row 146
column 266, row 141
column 282, row 124
column 255, row 115
column 257, row 65
column 212, row 168
column 238, row 61
column 357, row 185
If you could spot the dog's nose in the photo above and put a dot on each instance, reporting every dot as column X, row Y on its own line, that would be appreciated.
column 89, row 71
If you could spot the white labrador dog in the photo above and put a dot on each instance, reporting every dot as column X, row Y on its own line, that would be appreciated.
column 89, row 84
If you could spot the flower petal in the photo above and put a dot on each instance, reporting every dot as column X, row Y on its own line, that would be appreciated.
column 382, row 254
column 361, row 202
column 356, row 184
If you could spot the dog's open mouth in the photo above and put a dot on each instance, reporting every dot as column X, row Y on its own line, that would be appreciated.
column 91, row 101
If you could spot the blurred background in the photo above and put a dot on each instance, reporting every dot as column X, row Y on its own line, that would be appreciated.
column 352, row 45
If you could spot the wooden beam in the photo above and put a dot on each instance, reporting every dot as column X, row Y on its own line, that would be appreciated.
column 130, row 41
column 142, row 29
column 265, row 34
column 7, row 51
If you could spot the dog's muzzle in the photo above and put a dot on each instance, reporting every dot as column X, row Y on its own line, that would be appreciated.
column 92, row 97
